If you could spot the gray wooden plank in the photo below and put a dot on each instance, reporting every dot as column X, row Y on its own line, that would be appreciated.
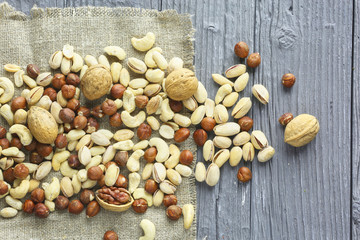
column 304, row 193
column 223, row 211
column 355, row 221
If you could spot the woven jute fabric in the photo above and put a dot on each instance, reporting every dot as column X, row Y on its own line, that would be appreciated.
column 32, row 39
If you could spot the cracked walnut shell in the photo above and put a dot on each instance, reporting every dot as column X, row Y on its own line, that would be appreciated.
column 181, row 84
column 96, row 82
column 301, row 130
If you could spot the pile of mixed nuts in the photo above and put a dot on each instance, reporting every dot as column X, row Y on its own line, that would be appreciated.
column 61, row 134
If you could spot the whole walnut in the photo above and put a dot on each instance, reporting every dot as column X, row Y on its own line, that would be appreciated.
column 96, row 82
column 181, row 84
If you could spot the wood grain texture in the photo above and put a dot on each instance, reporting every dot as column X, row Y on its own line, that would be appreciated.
column 302, row 193
column 356, row 125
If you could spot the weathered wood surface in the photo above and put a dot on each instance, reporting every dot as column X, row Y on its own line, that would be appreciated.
column 306, row 193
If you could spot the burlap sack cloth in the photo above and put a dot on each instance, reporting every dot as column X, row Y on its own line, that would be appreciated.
column 32, row 39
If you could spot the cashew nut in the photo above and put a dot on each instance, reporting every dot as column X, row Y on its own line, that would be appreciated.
column 77, row 63
column 59, row 158
column 141, row 145
column 33, row 184
column 133, row 163
column 115, row 51
column 66, row 170
column 166, row 112
column 222, row 92
column 148, row 59
column 6, row 112
column 126, row 145
column 141, row 193
column 162, row 149
column 134, row 181
column 133, row 121
column 129, row 101
column 174, row 158
column 22, row 132
column 52, row 190
column 9, row 89
column 188, row 213
column 21, row 190
column 145, row 43
column 148, row 228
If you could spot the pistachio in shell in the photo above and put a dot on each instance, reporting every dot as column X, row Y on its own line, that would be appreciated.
column 42, row 125
column 181, row 84
column 96, row 82
column 301, row 130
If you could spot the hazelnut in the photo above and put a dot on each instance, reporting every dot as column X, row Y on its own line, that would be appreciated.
column 68, row 127
column 92, row 125
column 51, row 93
column 68, row 91
column 31, row 146
column 285, row 118
column 151, row 186
column 4, row 143
column 72, row 79
column 186, row 157
column 176, row 106
column 2, row 132
column 73, row 104
column 4, row 188
column 121, row 158
column 36, row 158
column 208, row 124
column 58, row 81
column 74, row 161
column 61, row 202
column 181, row 135
column 244, row 174
column 288, row 80
column 169, row 200
column 80, row 122
column 44, row 149
column 18, row 103
column 115, row 120
column 75, row 207
column 21, row 171
column 67, row 115
column 83, row 111
column 121, row 181
column 28, row 206
column 246, row 123
column 94, row 173
column 173, row 212
column 144, row 131
column 241, row 49
column 97, row 111
column 15, row 142
column 141, row 101
column 32, row 70
column 253, row 60
column 200, row 137
column 101, row 182
column 93, row 208
column 8, row 175
column 150, row 154
column 41, row 210
column 117, row 91
column 61, row 141
column 140, row 205
column 110, row 235
column 87, row 196
column 38, row 195
column 109, row 107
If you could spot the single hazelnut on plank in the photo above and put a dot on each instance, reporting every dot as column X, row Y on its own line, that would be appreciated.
column 96, row 82
column 253, row 60
column 42, row 125
column 288, row 80
column 244, row 174
column 241, row 49
column 181, row 84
